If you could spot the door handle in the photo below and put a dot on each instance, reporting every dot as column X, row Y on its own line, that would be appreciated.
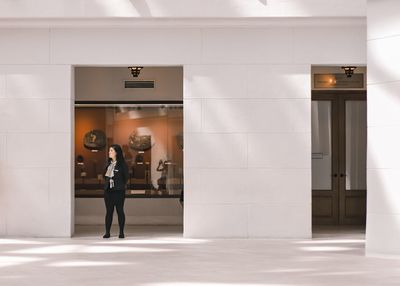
column 334, row 175
column 343, row 175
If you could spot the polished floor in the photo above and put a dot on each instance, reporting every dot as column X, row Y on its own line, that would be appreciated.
column 159, row 256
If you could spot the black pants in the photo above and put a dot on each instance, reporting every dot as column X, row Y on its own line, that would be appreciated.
column 115, row 199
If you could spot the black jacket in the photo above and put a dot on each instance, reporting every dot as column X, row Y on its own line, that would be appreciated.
column 121, row 176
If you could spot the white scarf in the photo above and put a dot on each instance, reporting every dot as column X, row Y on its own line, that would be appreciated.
column 110, row 173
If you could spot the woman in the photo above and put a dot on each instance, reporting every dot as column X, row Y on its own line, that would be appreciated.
column 162, row 181
column 116, row 176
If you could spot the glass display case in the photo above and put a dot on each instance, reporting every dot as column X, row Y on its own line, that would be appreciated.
column 151, row 136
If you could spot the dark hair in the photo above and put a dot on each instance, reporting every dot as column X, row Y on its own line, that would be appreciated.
column 120, row 156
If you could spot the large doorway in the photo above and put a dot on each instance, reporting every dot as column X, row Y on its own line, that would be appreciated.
column 339, row 145
column 144, row 115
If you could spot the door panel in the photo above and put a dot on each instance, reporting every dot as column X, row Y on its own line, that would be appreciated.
column 356, row 145
column 322, row 145
column 353, row 193
column 324, row 180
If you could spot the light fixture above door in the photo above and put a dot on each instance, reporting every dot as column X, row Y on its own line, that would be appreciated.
column 135, row 71
column 349, row 70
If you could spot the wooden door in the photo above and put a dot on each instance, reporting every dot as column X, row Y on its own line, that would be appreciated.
column 339, row 157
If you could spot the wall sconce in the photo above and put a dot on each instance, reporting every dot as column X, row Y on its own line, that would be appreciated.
column 349, row 70
column 135, row 71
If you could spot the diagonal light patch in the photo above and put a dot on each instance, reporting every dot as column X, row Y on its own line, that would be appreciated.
column 7, row 261
column 86, row 263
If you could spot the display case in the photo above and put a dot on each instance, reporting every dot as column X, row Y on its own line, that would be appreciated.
column 151, row 136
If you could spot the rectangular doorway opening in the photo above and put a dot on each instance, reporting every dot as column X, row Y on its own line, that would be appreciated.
column 339, row 152
column 147, row 122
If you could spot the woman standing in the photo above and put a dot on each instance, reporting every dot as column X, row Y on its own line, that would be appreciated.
column 116, row 176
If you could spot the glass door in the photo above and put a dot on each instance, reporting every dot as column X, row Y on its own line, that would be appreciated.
column 353, row 173
column 339, row 137
column 325, row 188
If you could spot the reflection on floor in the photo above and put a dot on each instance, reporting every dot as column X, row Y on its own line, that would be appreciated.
column 159, row 256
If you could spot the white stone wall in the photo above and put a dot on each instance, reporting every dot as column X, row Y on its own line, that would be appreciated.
column 246, row 119
column 248, row 129
column 383, row 44
column 35, row 144
column 247, row 150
